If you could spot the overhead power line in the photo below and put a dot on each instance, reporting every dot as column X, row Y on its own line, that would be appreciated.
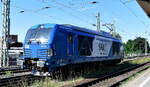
column 68, row 12
column 31, row 10
column 23, row 10
column 72, row 9
column 128, row 1
column 66, row 6
column 132, row 12
column 120, row 29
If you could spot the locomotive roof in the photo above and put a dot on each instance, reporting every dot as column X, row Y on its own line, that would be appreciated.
column 76, row 28
column 101, row 33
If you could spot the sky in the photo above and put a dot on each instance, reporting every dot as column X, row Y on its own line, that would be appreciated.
column 129, row 18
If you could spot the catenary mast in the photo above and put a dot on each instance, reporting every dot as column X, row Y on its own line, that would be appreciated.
column 5, row 32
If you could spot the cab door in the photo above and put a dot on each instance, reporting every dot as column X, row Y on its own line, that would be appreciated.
column 60, row 44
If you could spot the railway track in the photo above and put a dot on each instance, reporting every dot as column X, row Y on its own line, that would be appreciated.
column 16, row 77
column 27, row 78
column 19, row 81
column 113, row 79
column 13, row 71
column 135, row 57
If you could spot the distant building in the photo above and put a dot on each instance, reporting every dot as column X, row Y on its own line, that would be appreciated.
column 13, row 39
column 14, row 48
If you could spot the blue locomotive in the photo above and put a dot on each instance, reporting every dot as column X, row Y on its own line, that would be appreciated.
column 48, row 46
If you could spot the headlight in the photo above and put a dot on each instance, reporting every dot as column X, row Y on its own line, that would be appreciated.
column 50, row 52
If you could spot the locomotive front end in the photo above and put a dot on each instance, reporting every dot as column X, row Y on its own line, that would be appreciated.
column 37, row 48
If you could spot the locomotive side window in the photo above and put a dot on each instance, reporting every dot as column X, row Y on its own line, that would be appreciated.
column 85, row 46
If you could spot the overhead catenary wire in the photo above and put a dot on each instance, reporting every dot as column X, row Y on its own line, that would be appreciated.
column 69, row 12
column 124, row 3
column 72, row 9
column 69, row 7
column 22, row 10
column 63, row 10
column 128, row 1
column 120, row 29
column 124, row 30
column 83, row 6
column 132, row 12
column 37, row 12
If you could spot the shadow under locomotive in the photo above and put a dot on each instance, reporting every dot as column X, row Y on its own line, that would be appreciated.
column 89, row 70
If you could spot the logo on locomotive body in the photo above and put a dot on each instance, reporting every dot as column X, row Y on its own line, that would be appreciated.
column 101, row 46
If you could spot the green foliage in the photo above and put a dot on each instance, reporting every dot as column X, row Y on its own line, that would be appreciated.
column 49, row 82
column 128, row 47
column 136, row 46
column 8, row 73
column 140, row 44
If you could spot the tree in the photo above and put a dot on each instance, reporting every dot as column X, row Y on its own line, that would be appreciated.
column 139, row 45
column 136, row 46
column 129, row 47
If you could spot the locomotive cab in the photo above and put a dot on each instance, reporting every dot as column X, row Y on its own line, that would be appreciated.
column 37, row 47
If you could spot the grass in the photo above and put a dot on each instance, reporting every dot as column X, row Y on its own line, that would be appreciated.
column 48, row 82
column 93, row 72
column 140, row 61
column 109, row 69
column 8, row 73
column 134, row 76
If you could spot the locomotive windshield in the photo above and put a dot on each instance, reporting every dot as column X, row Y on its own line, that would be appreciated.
column 38, row 35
